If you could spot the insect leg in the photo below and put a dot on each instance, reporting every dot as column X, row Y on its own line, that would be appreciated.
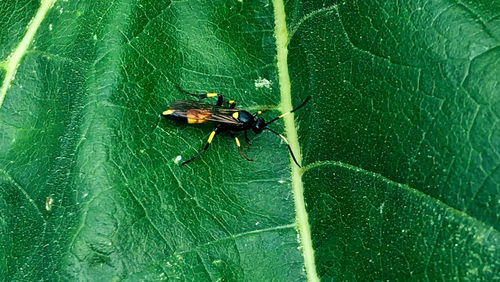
column 210, row 138
column 199, row 96
column 220, row 100
column 259, row 112
column 287, row 144
column 239, row 147
column 247, row 139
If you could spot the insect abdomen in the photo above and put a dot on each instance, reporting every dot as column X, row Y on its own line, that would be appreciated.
column 190, row 116
column 173, row 115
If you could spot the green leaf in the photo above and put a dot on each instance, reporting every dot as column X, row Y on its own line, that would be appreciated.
column 81, row 128
column 403, row 178
column 399, row 142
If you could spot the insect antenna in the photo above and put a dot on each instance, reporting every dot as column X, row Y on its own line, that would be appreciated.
column 286, row 141
column 280, row 135
column 283, row 115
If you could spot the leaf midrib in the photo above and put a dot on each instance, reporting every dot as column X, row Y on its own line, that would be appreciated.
column 281, row 35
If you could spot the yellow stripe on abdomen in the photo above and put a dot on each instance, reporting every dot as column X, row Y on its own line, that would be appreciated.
column 197, row 117
column 168, row 112
column 193, row 120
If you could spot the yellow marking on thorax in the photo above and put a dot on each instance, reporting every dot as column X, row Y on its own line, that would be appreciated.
column 210, row 95
column 168, row 112
column 231, row 102
column 211, row 137
column 236, row 115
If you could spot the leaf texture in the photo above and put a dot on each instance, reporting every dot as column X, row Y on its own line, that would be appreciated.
column 399, row 143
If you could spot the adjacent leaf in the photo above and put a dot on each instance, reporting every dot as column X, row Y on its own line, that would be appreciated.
column 403, row 145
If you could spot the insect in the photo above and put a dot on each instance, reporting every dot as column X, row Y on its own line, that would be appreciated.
column 226, row 117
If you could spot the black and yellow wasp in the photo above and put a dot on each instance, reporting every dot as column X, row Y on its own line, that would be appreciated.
column 226, row 117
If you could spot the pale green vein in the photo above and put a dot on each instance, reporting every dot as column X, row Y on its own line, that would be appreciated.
column 408, row 188
column 311, row 14
column 233, row 237
column 26, row 195
column 12, row 62
column 236, row 236
column 281, row 34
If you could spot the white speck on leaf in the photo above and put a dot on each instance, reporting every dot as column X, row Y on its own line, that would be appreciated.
column 50, row 27
column 381, row 208
column 95, row 36
column 178, row 159
column 48, row 203
column 262, row 82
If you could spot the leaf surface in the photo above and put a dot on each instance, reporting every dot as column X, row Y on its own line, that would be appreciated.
column 90, row 189
column 399, row 142
column 403, row 174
